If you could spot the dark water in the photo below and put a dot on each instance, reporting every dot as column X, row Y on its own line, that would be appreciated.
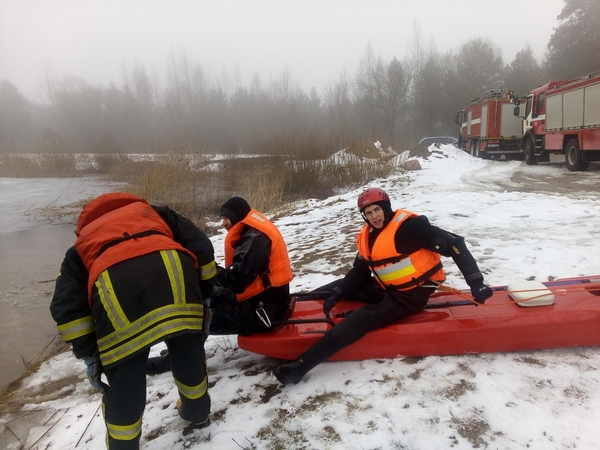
column 36, row 228
column 30, row 260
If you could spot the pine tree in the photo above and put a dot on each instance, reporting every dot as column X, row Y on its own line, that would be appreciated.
column 574, row 48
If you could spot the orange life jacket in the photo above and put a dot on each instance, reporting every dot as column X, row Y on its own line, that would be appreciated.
column 391, row 269
column 279, row 272
column 119, row 226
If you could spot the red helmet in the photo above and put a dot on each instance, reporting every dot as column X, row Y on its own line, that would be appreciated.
column 370, row 196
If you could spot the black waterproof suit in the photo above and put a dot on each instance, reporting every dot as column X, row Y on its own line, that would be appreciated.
column 385, row 307
column 251, row 257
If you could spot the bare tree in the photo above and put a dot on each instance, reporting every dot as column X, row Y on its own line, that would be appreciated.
column 364, row 93
column 80, row 107
column 392, row 83
column 339, row 108
column 15, row 118
column 46, row 84
column 183, row 98
column 428, row 93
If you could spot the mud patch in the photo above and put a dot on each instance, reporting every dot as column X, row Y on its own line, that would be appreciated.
column 252, row 369
column 329, row 435
column 532, row 361
column 241, row 399
column 416, row 374
column 464, row 369
column 316, row 402
column 412, row 360
column 270, row 392
column 458, row 390
column 279, row 436
column 472, row 429
column 576, row 393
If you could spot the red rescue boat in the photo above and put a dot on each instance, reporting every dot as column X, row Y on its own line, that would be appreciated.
column 520, row 316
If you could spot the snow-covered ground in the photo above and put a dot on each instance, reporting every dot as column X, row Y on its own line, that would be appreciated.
column 546, row 399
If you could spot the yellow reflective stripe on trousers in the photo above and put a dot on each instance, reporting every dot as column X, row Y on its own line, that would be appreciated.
column 207, row 271
column 148, row 330
column 109, row 300
column 76, row 328
column 124, row 432
column 193, row 392
column 396, row 271
column 149, row 338
column 150, row 320
column 173, row 265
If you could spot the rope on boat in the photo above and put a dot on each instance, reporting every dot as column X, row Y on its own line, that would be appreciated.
column 469, row 297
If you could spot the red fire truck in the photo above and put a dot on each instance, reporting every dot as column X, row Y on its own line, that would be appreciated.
column 489, row 128
column 563, row 117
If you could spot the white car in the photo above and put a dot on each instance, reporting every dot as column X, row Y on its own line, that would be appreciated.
column 439, row 140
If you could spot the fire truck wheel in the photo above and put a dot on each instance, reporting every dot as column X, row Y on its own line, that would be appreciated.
column 573, row 156
column 529, row 153
column 475, row 148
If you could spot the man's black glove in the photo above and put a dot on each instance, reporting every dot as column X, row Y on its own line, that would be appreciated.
column 331, row 301
column 94, row 372
column 222, row 296
column 481, row 292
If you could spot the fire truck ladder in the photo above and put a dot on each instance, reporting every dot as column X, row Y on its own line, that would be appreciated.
column 566, row 83
column 494, row 94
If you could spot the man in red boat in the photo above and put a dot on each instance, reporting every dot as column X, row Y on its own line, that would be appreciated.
column 137, row 275
column 253, row 289
column 400, row 252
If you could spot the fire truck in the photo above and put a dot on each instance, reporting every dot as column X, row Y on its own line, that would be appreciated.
column 489, row 128
column 563, row 117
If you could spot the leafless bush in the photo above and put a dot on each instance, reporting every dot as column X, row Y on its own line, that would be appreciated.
column 18, row 166
column 264, row 190
column 58, row 164
column 38, row 165
column 105, row 163
column 196, row 185
column 169, row 180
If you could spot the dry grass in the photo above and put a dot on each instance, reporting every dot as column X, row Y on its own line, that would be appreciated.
column 178, row 180
column 170, row 180
column 40, row 165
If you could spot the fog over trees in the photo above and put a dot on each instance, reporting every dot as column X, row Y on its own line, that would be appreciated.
column 397, row 102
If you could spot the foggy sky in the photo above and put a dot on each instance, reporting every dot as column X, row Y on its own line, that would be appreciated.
column 315, row 40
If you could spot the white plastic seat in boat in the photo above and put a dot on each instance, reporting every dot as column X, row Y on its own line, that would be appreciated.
column 530, row 293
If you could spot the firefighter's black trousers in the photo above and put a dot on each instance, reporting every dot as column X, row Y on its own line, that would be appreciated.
column 124, row 402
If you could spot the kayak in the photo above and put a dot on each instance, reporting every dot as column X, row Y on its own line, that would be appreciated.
column 524, row 315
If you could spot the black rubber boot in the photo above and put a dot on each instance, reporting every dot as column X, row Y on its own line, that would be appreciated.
column 158, row 364
column 292, row 373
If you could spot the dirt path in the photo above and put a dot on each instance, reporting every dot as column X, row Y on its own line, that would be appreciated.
column 554, row 177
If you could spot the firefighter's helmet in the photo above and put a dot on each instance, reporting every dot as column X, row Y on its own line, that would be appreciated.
column 373, row 195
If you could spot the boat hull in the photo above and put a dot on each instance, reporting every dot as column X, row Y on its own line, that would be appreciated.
column 448, row 327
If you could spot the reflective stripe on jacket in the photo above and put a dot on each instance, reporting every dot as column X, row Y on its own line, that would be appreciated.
column 391, row 269
column 279, row 272
column 125, row 220
column 164, row 312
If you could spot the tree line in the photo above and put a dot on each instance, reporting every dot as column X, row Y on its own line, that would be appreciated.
column 396, row 102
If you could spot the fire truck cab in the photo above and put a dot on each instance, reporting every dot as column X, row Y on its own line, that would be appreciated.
column 488, row 127
column 562, row 117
